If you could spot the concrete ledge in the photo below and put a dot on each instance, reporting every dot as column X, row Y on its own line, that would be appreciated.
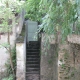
column 75, row 39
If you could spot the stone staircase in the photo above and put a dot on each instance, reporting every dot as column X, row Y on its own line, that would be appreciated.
column 33, row 61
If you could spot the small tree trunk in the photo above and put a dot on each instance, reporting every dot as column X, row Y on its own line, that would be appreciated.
column 11, row 63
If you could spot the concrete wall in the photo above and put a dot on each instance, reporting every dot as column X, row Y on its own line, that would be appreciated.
column 20, row 72
column 48, row 64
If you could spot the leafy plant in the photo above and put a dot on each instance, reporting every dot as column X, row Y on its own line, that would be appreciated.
column 61, row 17
column 32, row 10
column 7, row 64
column 9, row 78
column 8, row 8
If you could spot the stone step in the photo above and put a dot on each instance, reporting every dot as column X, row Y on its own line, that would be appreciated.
column 32, row 69
column 33, row 47
column 33, row 50
column 33, row 66
column 33, row 62
column 33, row 42
column 33, row 72
column 33, row 56
column 32, row 53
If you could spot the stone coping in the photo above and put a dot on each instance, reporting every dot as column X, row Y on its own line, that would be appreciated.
column 75, row 39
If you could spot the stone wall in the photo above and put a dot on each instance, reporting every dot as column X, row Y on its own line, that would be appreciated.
column 75, row 50
column 64, row 60
column 69, row 59
column 48, row 64
column 66, row 66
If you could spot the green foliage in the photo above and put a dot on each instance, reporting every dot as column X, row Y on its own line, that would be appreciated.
column 9, row 78
column 8, row 8
column 61, row 60
column 72, row 74
column 63, row 65
column 14, row 57
column 32, row 10
column 61, row 15
column 6, row 45
column 7, row 64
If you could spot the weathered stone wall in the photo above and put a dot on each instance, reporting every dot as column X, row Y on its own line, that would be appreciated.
column 69, row 59
column 48, row 62
column 75, row 50
column 64, row 60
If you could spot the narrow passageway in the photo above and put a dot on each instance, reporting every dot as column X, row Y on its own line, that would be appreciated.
column 33, row 60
